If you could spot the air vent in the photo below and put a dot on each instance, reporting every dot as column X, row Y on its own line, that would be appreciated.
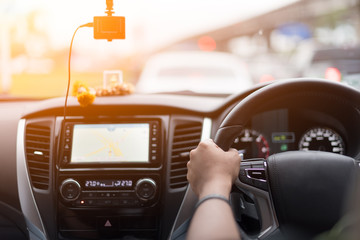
column 186, row 137
column 37, row 142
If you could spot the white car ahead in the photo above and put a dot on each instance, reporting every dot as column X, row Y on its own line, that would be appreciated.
column 197, row 72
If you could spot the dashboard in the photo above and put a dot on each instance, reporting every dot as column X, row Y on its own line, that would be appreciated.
column 117, row 169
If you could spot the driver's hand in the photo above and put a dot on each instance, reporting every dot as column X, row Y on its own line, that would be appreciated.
column 211, row 170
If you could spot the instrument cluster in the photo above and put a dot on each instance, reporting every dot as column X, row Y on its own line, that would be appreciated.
column 277, row 131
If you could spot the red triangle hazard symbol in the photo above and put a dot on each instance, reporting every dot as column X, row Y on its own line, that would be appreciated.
column 108, row 224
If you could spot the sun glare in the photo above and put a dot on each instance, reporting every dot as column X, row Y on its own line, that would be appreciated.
column 36, row 36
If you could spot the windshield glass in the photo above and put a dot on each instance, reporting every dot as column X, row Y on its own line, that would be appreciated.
column 194, row 72
column 198, row 46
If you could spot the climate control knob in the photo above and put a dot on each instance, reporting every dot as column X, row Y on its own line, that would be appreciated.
column 145, row 189
column 70, row 189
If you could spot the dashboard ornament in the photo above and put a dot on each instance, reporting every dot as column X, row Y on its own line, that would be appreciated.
column 118, row 89
column 85, row 95
column 85, row 98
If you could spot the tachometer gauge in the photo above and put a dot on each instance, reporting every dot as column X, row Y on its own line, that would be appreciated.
column 252, row 144
column 322, row 139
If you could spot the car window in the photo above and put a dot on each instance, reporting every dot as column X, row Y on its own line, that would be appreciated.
column 196, row 72
column 269, row 40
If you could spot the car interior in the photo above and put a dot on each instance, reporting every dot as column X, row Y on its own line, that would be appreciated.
column 114, row 166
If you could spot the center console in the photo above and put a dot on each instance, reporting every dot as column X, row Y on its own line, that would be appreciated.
column 109, row 178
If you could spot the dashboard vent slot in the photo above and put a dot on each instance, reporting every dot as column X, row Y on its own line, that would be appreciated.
column 37, row 144
column 186, row 137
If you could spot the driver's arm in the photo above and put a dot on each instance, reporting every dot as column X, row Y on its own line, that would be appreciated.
column 211, row 172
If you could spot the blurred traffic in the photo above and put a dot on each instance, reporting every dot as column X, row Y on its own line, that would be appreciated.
column 195, row 72
column 262, row 42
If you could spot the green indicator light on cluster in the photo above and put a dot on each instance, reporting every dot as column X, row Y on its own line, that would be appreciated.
column 279, row 138
column 284, row 147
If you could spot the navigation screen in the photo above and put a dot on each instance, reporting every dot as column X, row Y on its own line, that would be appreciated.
column 110, row 143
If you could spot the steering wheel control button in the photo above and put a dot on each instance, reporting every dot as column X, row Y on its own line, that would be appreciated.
column 253, row 173
column 70, row 190
column 256, row 174
column 145, row 189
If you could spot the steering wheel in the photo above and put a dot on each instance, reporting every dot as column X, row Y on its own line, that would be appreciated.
column 296, row 194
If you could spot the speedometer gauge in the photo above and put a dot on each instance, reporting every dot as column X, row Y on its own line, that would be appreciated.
column 252, row 144
column 322, row 139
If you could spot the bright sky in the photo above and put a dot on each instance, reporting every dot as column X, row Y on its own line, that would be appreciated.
column 149, row 24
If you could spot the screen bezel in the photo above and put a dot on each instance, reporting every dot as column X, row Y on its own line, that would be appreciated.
column 69, row 124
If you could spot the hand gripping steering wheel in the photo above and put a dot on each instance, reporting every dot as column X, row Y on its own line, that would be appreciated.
column 293, row 194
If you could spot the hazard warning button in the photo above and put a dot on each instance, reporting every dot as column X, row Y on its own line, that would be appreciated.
column 108, row 224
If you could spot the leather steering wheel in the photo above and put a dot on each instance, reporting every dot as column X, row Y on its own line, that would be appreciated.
column 294, row 194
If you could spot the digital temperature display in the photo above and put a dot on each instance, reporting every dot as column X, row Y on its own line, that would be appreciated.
column 113, row 184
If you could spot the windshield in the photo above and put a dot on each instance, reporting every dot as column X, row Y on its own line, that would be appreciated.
column 199, row 46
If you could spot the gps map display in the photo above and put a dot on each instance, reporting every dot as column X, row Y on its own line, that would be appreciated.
column 110, row 143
